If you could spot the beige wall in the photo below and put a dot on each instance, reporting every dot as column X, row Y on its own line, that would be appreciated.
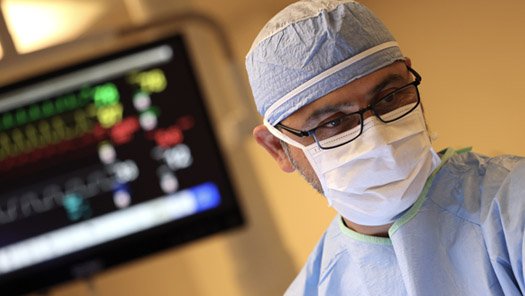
column 471, row 56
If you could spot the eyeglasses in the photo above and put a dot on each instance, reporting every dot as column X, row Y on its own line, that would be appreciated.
column 346, row 128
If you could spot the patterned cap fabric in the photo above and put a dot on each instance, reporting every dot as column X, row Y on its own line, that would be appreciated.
column 312, row 48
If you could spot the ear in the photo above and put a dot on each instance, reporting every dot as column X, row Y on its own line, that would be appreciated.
column 408, row 62
column 273, row 145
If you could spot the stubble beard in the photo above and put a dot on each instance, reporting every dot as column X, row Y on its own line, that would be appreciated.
column 307, row 174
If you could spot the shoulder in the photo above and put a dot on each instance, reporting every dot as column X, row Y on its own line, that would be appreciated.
column 324, row 254
column 499, row 198
column 469, row 184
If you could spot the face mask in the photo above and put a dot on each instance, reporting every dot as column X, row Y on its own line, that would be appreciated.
column 375, row 178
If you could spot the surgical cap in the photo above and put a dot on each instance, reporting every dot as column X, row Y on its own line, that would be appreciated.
column 312, row 48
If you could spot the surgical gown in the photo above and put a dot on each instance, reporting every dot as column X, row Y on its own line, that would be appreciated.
column 463, row 236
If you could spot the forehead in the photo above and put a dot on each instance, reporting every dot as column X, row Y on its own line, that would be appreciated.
column 357, row 92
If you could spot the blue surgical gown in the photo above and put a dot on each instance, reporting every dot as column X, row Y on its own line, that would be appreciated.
column 463, row 236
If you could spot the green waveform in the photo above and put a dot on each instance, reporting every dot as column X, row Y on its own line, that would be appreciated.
column 104, row 94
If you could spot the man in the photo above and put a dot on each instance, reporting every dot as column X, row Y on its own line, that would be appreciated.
column 341, row 105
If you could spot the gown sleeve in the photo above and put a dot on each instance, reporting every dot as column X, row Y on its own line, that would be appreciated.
column 504, row 229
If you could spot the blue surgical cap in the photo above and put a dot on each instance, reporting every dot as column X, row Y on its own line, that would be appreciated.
column 312, row 48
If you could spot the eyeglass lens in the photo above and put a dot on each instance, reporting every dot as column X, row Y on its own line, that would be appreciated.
column 347, row 128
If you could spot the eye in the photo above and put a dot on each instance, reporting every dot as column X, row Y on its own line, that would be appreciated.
column 331, row 123
column 386, row 94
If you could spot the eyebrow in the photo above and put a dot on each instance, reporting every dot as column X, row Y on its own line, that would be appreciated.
column 394, row 77
column 327, row 109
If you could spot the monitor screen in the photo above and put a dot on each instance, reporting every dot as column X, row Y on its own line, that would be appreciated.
column 104, row 162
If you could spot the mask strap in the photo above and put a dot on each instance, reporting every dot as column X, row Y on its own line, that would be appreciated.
column 278, row 134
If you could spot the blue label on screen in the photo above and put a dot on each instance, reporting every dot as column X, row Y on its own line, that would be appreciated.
column 207, row 196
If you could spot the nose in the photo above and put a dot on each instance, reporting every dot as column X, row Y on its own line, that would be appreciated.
column 367, row 112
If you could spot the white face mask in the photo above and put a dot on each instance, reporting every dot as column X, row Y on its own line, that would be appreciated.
column 373, row 179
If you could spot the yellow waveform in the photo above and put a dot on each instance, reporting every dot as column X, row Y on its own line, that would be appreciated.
column 43, row 133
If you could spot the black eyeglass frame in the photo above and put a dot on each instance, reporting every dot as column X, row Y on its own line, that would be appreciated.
column 311, row 132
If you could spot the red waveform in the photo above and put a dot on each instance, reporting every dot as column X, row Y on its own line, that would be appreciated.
column 99, row 132
column 172, row 135
column 48, row 151
column 168, row 137
column 120, row 134
column 186, row 122
column 123, row 131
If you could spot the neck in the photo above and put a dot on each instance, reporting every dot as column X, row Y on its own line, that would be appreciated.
column 381, row 230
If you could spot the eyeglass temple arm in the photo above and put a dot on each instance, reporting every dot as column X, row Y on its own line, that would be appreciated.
column 418, row 77
column 294, row 131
